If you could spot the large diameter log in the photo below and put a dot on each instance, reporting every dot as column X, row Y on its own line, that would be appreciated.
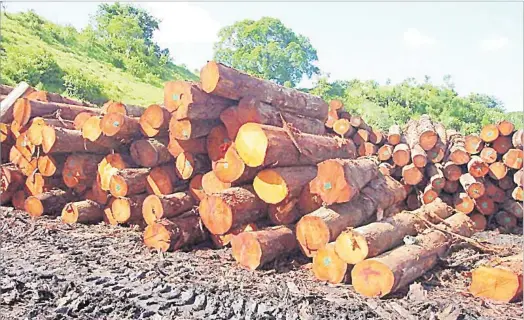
column 456, row 151
column 274, row 185
column 203, row 107
column 498, row 170
column 86, row 212
column 233, row 84
column 150, row 152
column 419, row 157
column 211, row 184
column 255, row 248
column 155, row 121
column 125, row 109
column 385, row 274
column 502, row 144
column 464, row 203
column 194, row 146
column 518, row 138
column 485, row 205
column 235, row 206
column 473, row 186
column 394, row 135
column 264, row 145
column 191, row 129
column 251, row 109
column 48, row 203
column 120, row 126
column 375, row 238
column 401, row 154
column 129, row 181
column 168, row 206
column 473, row 144
column 489, row 133
column 513, row 158
column 25, row 109
column 344, row 128
column 412, row 175
column 328, row 266
column 427, row 136
column 188, row 165
column 80, row 168
column 339, row 181
column 60, row 140
column 186, row 94
column 488, row 155
column 175, row 234
column 128, row 210
column 322, row 226
column 477, row 167
column 499, row 279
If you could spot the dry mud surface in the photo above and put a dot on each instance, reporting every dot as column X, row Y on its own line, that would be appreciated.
column 49, row 270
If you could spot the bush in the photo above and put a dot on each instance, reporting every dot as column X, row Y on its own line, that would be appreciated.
column 34, row 66
column 83, row 87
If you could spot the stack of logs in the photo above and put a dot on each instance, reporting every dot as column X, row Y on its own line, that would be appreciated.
column 269, row 170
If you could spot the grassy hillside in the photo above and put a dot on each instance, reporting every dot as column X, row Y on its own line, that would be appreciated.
column 62, row 59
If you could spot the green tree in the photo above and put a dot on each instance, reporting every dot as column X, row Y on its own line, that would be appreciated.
column 267, row 49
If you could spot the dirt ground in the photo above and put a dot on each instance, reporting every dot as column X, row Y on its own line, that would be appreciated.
column 49, row 270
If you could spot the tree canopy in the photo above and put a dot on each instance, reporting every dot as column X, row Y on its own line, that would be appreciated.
column 266, row 48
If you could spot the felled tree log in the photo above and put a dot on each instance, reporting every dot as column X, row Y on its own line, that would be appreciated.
column 456, row 151
column 80, row 168
column 427, row 136
column 233, row 84
column 188, row 165
column 81, row 118
column 60, row 140
column 120, row 126
column 86, row 212
column 195, row 188
column 168, row 206
column 497, row 170
column 401, row 154
column 285, row 212
column 322, row 226
column 36, row 125
column 191, row 129
column 338, row 181
column 394, row 135
column 191, row 99
column 274, row 185
column 344, row 128
column 218, row 142
column 436, row 176
column 370, row 240
column 125, row 109
column 489, row 133
column 488, row 155
column 500, row 279
column 48, row 203
column 464, row 203
column 479, row 221
column 36, row 184
column 230, row 208
column 473, row 143
column 485, row 205
column 502, row 144
column 231, row 168
column 412, row 175
column 163, row 180
column 110, row 165
column 211, row 184
column 25, row 109
column 51, row 165
column 128, row 210
column 386, row 273
column 473, row 186
column 195, row 146
column 328, row 266
column 385, row 152
column 451, row 171
column 223, row 240
column 477, row 168
column 513, row 159
column 251, row 109
column 308, row 201
column 261, row 145
column 129, row 182
column 11, row 178
column 175, row 234
column 517, row 139
column 150, row 152
column 155, row 121
column 255, row 248
column 513, row 207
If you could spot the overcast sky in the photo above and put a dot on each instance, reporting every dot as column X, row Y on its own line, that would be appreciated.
column 479, row 44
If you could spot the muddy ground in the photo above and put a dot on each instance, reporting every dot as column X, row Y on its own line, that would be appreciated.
column 49, row 270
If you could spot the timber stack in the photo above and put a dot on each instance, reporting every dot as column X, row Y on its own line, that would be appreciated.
column 238, row 161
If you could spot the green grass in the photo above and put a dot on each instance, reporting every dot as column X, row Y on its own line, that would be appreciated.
column 71, row 55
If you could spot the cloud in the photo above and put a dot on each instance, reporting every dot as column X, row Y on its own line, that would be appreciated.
column 415, row 39
column 183, row 22
column 494, row 43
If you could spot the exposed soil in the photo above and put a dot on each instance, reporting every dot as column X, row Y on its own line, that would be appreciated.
column 49, row 270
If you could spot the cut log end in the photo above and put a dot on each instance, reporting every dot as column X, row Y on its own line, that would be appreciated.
column 112, row 123
column 230, row 167
column 312, row 234
column 372, row 278
column 246, row 250
column 118, row 186
column 91, row 128
column 479, row 221
column 351, row 247
column 196, row 189
column 216, row 214
column 251, row 144
column 270, row 186
column 327, row 265
column 33, row 206
column 496, row 283
column 157, row 236
column 489, row 133
column 209, row 76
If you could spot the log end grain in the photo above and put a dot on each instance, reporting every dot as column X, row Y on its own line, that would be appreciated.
column 327, row 265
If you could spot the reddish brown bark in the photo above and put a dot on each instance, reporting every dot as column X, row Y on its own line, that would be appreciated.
column 274, row 185
column 86, row 212
column 49, row 203
column 190, row 97
column 155, row 121
column 150, row 152
column 129, row 182
column 191, row 129
column 168, row 206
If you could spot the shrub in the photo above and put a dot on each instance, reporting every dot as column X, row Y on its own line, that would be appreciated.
column 83, row 87
column 34, row 66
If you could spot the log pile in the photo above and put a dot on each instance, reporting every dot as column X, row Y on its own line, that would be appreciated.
column 271, row 171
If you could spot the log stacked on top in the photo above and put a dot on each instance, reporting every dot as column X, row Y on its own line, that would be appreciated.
column 267, row 169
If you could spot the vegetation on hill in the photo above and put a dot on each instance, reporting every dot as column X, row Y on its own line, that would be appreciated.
column 116, row 58
column 113, row 58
